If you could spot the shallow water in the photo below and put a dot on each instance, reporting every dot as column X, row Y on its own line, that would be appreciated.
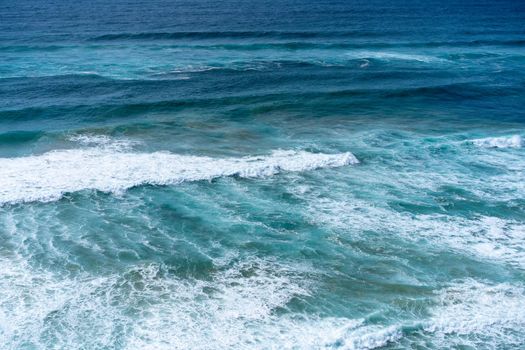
column 297, row 175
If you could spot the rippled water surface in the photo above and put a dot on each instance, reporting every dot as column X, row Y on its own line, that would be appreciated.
column 262, row 175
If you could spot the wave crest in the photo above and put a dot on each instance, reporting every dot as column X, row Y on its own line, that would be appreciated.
column 48, row 176
column 514, row 141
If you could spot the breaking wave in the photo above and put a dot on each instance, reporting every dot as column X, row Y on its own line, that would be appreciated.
column 514, row 141
column 114, row 169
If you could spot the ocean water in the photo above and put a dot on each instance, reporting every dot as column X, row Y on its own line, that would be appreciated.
column 262, row 174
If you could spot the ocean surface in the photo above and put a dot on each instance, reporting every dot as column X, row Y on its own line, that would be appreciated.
column 262, row 174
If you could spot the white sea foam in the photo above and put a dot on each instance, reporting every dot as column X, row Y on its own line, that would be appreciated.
column 481, row 237
column 103, row 141
column 112, row 168
column 90, row 139
column 479, row 314
column 383, row 55
column 146, row 308
column 514, row 141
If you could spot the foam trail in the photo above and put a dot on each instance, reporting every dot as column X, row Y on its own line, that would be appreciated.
column 231, row 310
column 479, row 315
column 48, row 176
column 514, row 141
column 381, row 55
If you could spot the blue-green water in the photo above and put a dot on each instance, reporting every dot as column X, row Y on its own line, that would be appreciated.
column 263, row 175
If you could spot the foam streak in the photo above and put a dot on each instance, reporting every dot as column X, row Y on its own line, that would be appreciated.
column 48, row 176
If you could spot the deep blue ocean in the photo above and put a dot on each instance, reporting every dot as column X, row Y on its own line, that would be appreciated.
column 262, row 174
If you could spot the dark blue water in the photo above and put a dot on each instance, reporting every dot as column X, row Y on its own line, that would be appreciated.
column 262, row 175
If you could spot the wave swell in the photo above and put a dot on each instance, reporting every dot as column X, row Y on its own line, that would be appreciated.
column 48, row 176
column 233, row 35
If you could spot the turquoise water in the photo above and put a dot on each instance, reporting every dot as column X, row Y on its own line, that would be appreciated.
column 272, row 175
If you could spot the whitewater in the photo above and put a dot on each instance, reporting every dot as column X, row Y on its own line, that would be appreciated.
column 48, row 176
column 262, row 175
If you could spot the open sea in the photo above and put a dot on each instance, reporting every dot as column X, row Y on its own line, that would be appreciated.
column 261, row 174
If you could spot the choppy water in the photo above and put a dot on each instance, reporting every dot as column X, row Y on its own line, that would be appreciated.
column 263, row 175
